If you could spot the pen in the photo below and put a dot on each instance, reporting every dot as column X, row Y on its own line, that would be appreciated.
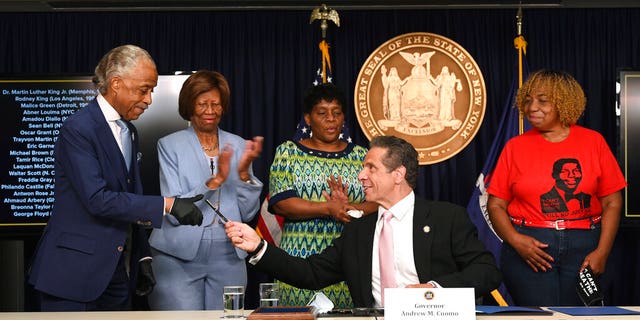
column 224, row 219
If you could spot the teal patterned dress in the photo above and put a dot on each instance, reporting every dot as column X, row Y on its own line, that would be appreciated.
column 298, row 171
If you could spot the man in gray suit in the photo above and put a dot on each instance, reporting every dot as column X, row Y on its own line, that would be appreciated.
column 435, row 244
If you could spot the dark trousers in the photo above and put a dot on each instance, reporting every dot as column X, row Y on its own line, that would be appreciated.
column 114, row 298
column 557, row 286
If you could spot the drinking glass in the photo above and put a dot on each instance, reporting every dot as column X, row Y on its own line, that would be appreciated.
column 233, row 301
column 269, row 294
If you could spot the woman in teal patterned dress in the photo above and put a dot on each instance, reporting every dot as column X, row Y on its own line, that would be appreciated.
column 312, row 183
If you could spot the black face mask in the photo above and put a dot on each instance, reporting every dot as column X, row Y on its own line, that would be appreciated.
column 588, row 288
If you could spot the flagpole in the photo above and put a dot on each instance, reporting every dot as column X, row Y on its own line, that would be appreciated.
column 270, row 225
column 521, row 45
column 323, row 13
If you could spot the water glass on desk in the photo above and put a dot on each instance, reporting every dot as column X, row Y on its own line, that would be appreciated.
column 233, row 301
column 269, row 294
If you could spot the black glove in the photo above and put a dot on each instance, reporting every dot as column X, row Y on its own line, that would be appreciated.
column 146, row 280
column 186, row 212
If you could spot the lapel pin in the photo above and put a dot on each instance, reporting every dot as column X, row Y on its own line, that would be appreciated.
column 426, row 229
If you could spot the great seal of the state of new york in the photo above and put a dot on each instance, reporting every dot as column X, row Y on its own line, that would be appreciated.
column 424, row 88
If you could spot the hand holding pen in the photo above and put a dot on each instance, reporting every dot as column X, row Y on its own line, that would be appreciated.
column 222, row 217
column 242, row 236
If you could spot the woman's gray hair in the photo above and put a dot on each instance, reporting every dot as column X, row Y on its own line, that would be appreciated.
column 117, row 62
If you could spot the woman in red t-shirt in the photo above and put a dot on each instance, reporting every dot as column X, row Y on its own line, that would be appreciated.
column 555, row 195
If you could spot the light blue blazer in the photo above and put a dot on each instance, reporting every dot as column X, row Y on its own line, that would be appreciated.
column 184, row 169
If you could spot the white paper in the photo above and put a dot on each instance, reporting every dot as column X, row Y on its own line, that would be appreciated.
column 429, row 303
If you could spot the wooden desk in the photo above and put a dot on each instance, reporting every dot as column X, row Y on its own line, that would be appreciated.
column 214, row 315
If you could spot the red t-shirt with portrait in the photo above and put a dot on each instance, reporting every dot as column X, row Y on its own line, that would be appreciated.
column 545, row 180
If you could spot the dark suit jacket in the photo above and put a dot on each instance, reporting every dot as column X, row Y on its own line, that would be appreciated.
column 96, row 201
column 450, row 254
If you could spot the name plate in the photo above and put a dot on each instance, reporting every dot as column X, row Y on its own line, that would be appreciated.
column 430, row 303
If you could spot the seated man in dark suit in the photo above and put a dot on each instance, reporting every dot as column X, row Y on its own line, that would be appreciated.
column 433, row 244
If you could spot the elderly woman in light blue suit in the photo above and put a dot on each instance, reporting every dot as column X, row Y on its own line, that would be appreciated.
column 193, row 263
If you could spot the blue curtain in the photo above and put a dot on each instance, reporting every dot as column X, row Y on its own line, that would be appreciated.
column 268, row 57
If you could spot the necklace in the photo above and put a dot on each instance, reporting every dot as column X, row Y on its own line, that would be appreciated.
column 210, row 148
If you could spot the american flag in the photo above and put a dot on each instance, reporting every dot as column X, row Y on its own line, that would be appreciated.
column 509, row 127
column 270, row 225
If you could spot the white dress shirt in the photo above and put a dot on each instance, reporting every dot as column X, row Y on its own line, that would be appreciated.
column 405, row 267
column 112, row 116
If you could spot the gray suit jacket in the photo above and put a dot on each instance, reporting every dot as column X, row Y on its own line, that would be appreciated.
column 450, row 254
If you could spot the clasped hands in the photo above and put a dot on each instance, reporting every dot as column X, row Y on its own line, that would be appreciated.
column 252, row 150
column 184, row 209
column 338, row 200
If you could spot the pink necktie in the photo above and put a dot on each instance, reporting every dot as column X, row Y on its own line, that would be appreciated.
column 385, row 247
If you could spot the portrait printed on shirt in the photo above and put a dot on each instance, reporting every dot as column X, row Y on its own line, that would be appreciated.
column 562, row 197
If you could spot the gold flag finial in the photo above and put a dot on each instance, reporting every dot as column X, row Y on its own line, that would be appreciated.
column 324, row 13
column 519, row 21
column 521, row 45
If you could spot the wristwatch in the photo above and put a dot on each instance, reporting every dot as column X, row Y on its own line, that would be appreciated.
column 258, row 248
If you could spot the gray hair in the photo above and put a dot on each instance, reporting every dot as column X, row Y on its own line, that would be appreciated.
column 399, row 152
column 117, row 62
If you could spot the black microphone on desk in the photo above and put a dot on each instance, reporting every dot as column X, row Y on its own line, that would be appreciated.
column 353, row 312
column 588, row 288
